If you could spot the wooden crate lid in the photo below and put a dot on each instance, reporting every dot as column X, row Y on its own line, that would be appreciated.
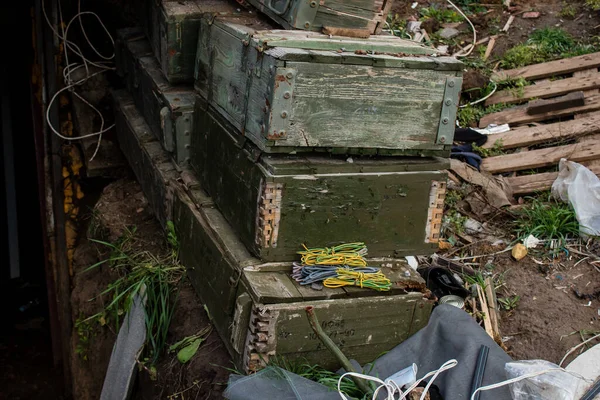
column 315, row 47
column 272, row 283
column 315, row 164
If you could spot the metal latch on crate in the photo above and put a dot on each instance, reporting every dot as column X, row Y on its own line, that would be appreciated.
column 446, row 127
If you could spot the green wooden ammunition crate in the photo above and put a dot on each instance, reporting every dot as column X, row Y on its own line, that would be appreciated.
column 172, row 27
column 278, row 202
column 256, row 307
column 362, row 17
column 167, row 109
column 259, row 310
column 150, row 163
column 300, row 91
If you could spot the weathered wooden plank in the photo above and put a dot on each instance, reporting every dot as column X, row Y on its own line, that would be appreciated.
column 329, row 96
column 277, row 203
column 519, row 115
column 367, row 15
column 552, row 68
column 527, row 136
column 363, row 328
column 325, row 99
column 148, row 160
column 168, row 109
column 585, row 151
column 271, row 287
column 545, row 90
column 543, row 181
column 573, row 99
column 317, row 41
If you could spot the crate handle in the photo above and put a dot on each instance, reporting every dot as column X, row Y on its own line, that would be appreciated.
column 276, row 11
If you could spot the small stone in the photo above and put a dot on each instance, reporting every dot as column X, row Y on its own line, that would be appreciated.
column 449, row 33
column 519, row 251
column 413, row 26
column 531, row 15
column 444, row 50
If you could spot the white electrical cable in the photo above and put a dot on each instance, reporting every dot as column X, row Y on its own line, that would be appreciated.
column 72, row 67
column 472, row 27
column 576, row 347
column 526, row 376
column 483, row 98
column 392, row 388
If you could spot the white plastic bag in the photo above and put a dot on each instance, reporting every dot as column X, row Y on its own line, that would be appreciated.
column 554, row 385
column 581, row 187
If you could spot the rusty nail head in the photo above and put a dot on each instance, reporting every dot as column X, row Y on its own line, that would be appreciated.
column 289, row 75
column 287, row 95
column 281, row 133
column 445, row 121
column 451, row 83
column 313, row 4
column 443, row 139
column 284, row 114
column 448, row 102
column 307, row 25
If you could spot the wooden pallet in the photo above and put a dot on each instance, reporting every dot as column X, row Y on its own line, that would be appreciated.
column 575, row 130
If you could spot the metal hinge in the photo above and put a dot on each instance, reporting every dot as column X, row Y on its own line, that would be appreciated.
column 446, row 128
column 183, row 135
column 281, row 103
column 306, row 13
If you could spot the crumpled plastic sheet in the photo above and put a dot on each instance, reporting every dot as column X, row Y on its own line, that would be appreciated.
column 579, row 186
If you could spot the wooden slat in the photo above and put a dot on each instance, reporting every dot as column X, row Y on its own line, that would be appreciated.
column 518, row 115
column 534, row 183
column 527, row 136
column 570, row 100
column 589, row 150
column 552, row 68
column 545, row 90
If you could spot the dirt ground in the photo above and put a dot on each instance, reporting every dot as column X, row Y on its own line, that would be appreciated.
column 584, row 24
column 549, row 316
column 121, row 206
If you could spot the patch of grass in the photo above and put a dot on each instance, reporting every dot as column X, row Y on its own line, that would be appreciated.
column 569, row 10
column 454, row 221
column 593, row 4
column 470, row 115
column 509, row 303
column 548, row 220
column 453, row 197
column 145, row 274
column 318, row 374
column 85, row 333
column 441, row 14
column 544, row 45
column 496, row 150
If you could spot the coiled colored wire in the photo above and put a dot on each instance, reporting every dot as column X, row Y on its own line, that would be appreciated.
column 350, row 254
column 347, row 277
column 336, row 276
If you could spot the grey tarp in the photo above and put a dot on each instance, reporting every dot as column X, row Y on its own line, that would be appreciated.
column 450, row 333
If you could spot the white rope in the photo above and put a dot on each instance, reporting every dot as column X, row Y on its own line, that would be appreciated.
column 575, row 348
column 392, row 388
column 526, row 376
column 472, row 27
column 72, row 67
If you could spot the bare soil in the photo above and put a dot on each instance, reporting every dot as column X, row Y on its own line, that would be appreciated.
column 121, row 206
column 549, row 311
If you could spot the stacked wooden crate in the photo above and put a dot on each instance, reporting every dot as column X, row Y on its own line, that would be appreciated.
column 283, row 138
